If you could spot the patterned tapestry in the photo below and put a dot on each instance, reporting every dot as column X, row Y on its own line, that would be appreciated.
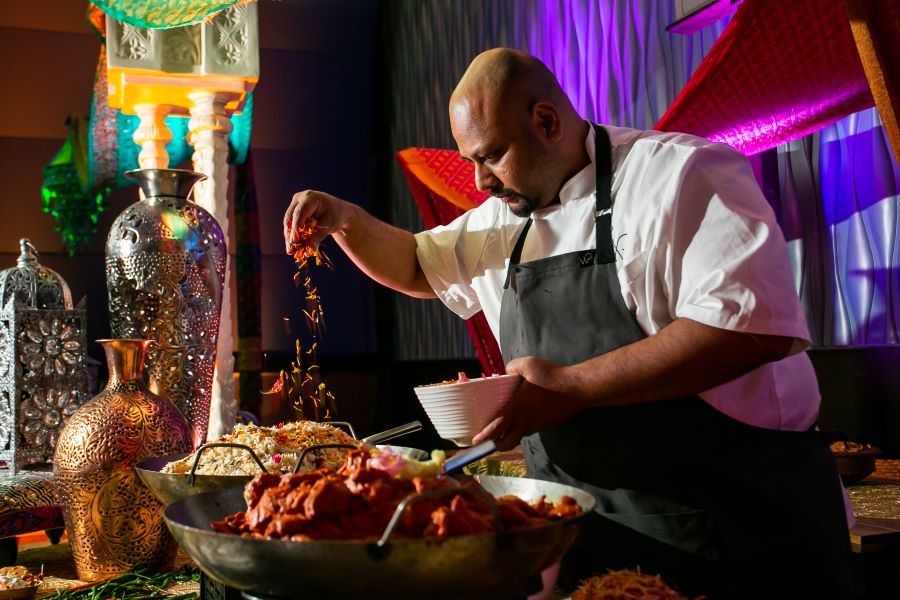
column 780, row 70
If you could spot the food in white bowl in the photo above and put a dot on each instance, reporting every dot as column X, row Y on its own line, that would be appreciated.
column 461, row 408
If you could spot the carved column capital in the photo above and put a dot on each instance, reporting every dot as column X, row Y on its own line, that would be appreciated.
column 209, row 125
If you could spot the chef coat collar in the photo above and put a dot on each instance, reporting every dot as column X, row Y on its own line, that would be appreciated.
column 579, row 185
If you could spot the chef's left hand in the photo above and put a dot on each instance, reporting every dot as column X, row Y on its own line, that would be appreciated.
column 545, row 398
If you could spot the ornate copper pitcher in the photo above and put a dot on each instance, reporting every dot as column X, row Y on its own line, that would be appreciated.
column 114, row 521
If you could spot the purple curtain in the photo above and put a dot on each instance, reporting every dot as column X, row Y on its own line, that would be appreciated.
column 860, row 182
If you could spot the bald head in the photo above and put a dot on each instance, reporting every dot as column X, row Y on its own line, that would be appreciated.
column 512, row 120
column 507, row 79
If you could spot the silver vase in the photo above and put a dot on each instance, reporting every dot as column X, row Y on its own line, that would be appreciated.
column 165, row 270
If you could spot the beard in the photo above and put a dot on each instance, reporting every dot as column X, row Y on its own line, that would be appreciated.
column 526, row 204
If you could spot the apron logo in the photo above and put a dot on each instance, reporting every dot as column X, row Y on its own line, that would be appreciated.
column 586, row 258
column 619, row 246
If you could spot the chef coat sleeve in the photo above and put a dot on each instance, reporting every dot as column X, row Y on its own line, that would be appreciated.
column 448, row 255
column 727, row 262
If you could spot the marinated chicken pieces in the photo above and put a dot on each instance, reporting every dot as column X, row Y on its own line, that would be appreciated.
column 357, row 502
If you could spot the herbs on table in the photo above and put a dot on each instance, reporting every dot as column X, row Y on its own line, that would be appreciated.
column 140, row 584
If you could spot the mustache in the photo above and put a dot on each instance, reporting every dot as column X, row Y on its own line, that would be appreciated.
column 503, row 193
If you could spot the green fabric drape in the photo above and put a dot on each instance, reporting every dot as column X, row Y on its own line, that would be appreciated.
column 162, row 14
column 68, row 194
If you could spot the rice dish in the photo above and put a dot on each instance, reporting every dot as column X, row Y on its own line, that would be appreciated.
column 278, row 448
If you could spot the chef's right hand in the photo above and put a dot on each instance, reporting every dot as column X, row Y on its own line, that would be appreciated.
column 329, row 212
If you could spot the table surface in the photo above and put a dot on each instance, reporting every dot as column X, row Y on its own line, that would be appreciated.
column 875, row 534
column 868, row 535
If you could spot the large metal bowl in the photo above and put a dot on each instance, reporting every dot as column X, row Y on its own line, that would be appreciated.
column 445, row 567
column 169, row 487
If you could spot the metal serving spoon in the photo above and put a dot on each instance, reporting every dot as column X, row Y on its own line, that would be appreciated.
column 393, row 432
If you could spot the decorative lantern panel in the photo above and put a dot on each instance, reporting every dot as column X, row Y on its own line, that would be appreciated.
column 43, row 368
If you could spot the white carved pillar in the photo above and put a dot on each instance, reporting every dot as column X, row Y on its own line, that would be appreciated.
column 152, row 135
column 209, row 128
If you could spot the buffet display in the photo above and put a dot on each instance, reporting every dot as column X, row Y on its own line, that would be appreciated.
column 295, row 506
column 249, row 450
column 401, row 567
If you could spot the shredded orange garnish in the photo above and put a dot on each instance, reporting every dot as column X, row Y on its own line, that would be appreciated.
column 626, row 585
column 301, row 387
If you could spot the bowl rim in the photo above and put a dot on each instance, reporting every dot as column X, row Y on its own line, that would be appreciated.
column 495, row 378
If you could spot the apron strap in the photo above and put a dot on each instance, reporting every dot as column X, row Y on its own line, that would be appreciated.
column 516, row 256
column 606, row 252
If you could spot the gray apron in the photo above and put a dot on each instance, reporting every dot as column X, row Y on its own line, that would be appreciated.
column 683, row 490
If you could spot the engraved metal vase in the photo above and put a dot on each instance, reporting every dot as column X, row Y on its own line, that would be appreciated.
column 114, row 522
column 165, row 270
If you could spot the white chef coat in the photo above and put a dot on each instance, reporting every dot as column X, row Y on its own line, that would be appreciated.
column 694, row 238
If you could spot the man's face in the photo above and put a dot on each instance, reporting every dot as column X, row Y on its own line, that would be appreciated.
column 510, row 161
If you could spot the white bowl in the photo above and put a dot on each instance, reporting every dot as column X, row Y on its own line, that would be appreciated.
column 460, row 410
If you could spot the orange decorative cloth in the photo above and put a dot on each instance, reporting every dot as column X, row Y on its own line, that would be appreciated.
column 443, row 185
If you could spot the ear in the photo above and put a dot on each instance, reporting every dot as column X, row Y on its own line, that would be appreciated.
column 546, row 119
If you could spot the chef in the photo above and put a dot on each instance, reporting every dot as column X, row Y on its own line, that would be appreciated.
column 638, row 283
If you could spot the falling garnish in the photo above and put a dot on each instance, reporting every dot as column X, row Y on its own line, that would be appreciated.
column 305, row 250
column 302, row 386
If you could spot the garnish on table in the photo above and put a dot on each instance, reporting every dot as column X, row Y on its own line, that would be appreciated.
column 626, row 584
column 18, row 577
column 140, row 584
column 302, row 385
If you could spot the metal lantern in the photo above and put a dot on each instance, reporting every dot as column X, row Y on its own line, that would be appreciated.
column 43, row 369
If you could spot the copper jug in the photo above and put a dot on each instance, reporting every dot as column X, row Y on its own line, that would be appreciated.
column 113, row 520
